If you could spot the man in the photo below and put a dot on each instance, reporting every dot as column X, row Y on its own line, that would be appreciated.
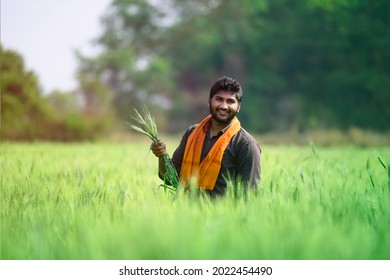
column 217, row 148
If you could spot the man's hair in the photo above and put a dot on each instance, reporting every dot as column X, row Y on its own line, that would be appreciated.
column 226, row 84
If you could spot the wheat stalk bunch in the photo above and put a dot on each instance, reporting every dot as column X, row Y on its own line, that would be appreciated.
column 144, row 123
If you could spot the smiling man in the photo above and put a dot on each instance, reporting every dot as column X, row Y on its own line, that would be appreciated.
column 218, row 147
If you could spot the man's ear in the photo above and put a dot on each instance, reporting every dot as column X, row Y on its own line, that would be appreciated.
column 238, row 109
column 209, row 101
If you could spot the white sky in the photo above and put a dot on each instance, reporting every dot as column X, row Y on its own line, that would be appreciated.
column 46, row 33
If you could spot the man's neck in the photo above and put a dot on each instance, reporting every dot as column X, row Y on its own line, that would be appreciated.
column 216, row 127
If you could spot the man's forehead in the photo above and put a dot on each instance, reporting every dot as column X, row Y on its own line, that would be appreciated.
column 226, row 94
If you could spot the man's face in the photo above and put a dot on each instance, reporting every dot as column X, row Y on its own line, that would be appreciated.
column 224, row 106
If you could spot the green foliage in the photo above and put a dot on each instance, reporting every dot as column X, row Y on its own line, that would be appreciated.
column 24, row 113
column 100, row 201
column 130, row 65
column 302, row 64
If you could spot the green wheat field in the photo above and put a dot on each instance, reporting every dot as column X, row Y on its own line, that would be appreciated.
column 103, row 201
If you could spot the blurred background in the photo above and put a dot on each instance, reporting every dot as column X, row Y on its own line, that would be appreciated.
column 317, row 69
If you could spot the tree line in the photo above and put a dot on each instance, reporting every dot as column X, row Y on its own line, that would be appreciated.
column 29, row 114
column 302, row 64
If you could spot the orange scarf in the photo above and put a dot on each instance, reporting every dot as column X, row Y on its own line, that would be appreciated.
column 207, row 171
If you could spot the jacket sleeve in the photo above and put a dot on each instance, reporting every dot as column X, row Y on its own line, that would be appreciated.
column 248, row 166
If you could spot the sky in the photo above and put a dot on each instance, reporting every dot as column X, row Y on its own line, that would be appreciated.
column 46, row 34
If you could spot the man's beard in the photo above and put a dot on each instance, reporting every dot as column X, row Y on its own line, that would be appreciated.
column 229, row 118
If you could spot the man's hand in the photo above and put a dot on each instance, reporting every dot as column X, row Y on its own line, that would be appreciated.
column 159, row 148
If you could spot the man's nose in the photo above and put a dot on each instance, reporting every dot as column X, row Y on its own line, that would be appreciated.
column 223, row 105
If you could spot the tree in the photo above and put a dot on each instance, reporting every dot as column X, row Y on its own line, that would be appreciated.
column 28, row 115
column 23, row 111
column 129, row 65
